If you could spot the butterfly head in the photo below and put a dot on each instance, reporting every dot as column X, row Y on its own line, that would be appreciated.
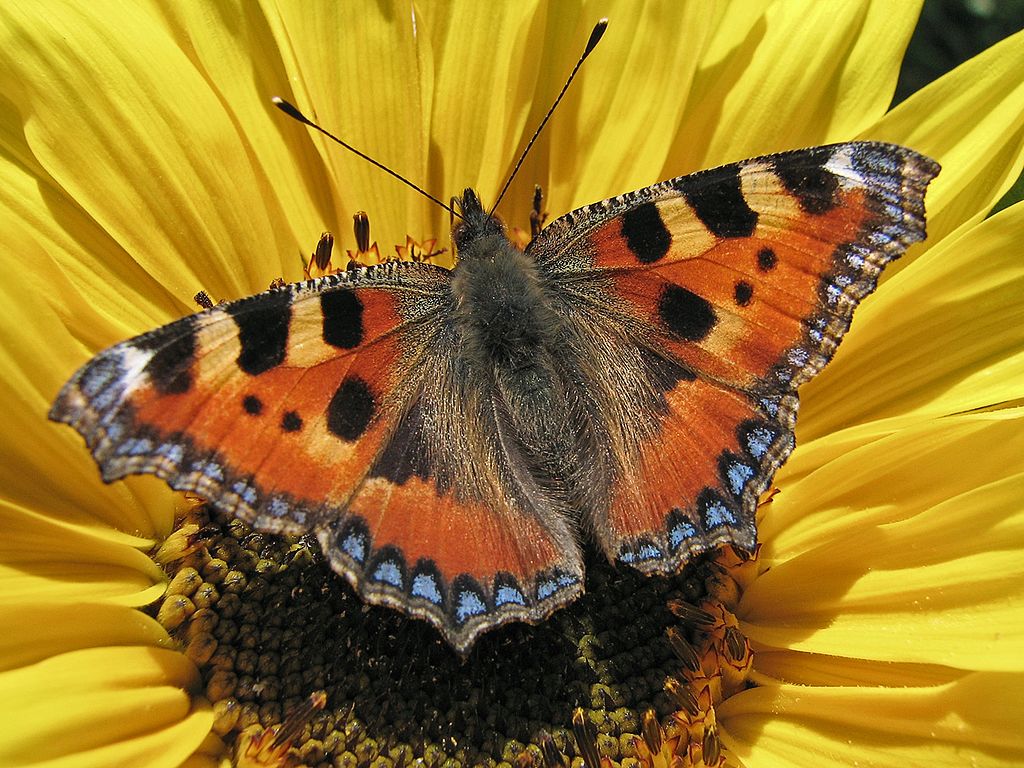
column 477, row 232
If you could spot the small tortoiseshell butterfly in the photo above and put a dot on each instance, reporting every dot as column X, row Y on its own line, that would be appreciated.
column 455, row 437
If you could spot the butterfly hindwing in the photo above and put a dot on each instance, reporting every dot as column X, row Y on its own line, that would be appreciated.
column 745, row 276
column 515, row 557
column 329, row 406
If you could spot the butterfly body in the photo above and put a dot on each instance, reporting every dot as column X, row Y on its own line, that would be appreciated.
column 457, row 438
column 510, row 334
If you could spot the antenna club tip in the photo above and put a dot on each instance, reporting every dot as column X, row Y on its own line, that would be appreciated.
column 596, row 35
column 289, row 109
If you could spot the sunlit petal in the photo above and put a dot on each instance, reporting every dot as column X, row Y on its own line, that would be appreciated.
column 943, row 336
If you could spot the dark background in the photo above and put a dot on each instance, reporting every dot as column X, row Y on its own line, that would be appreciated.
column 950, row 32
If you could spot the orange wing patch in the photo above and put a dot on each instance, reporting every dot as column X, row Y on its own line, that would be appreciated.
column 731, row 306
column 420, row 534
column 461, row 564
column 697, row 485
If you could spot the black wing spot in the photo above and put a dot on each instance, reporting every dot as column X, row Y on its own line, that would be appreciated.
column 263, row 323
column 766, row 259
column 343, row 318
column 252, row 405
column 351, row 409
column 170, row 368
column 717, row 199
column 812, row 184
column 685, row 314
column 743, row 293
column 406, row 455
column 291, row 422
column 645, row 233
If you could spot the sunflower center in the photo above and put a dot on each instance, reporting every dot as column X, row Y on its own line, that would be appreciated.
column 631, row 670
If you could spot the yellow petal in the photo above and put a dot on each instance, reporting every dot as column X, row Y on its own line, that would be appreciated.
column 807, row 73
column 619, row 122
column 34, row 632
column 972, row 721
column 358, row 69
column 946, row 335
column 910, row 551
column 109, row 114
column 235, row 51
column 772, row 666
column 44, row 465
column 102, row 707
column 61, row 261
column 485, row 78
column 972, row 121
column 47, row 561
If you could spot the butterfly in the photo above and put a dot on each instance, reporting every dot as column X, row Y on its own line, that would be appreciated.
column 456, row 438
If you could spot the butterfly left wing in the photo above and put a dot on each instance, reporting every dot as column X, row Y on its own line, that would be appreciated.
column 717, row 295
column 338, row 406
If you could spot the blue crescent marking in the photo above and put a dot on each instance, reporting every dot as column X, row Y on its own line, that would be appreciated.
column 509, row 595
column 680, row 532
column 468, row 604
column 388, row 573
column 759, row 440
column 245, row 491
column 716, row 513
column 354, row 545
column 424, row 585
column 739, row 474
column 171, row 451
column 278, row 507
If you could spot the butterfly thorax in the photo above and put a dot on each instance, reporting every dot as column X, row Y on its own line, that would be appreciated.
column 509, row 333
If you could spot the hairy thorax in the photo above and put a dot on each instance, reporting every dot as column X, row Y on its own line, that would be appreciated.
column 509, row 334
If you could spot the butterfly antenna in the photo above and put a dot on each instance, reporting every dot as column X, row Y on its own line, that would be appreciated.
column 293, row 112
column 595, row 38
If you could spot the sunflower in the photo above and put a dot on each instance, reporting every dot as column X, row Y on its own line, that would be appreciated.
column 881, row 621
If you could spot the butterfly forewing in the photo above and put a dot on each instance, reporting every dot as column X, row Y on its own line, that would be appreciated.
column 746, row 276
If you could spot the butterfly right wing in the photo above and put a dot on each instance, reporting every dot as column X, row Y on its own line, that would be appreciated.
column 707, row 300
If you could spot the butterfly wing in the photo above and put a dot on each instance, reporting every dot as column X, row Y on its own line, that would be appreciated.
column 331, row 406
column 717, row 295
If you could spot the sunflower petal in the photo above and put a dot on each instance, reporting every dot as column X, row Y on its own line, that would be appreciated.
column 624, row 125
column 101, row 707
column 944, row 336
column 971, row 721
column 34, row 632
column 365, row 83
column 484, row 81
column 787, row 666
column 807, row 73
column 931, row 579
column 46, row 561
column 124, row 96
